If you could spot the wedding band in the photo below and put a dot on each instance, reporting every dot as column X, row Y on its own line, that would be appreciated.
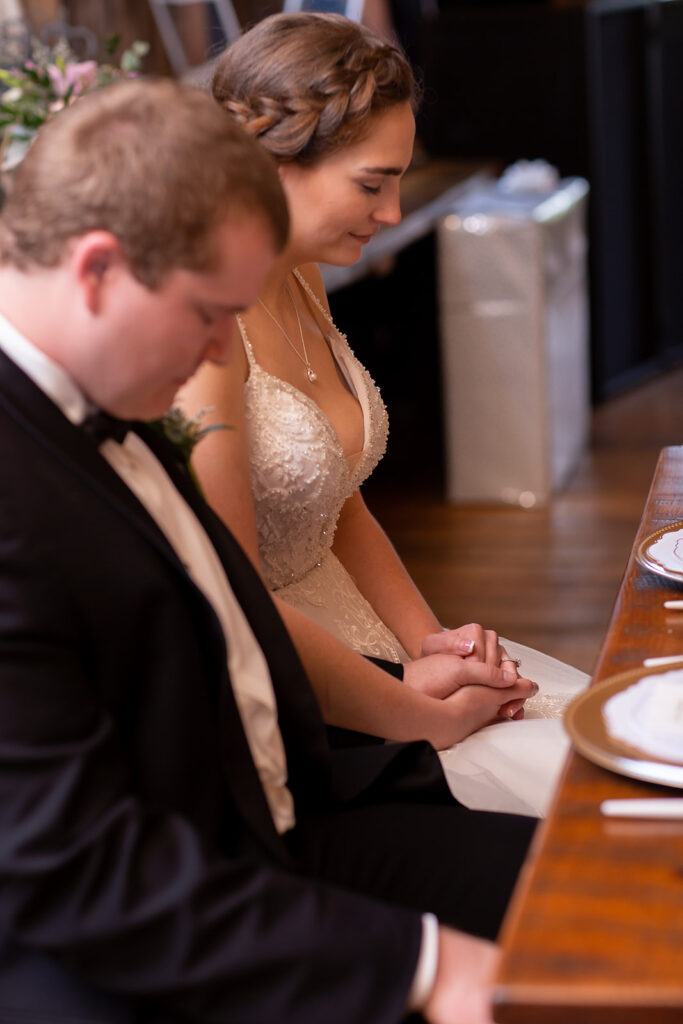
column 517, row 662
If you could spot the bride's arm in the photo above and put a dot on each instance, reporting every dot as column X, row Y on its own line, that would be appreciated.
column 368, row 555
column 221, row 459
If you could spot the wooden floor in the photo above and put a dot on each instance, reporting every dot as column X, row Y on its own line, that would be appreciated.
column 545, row 577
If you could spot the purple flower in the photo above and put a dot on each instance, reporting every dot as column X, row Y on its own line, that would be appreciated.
column 74, row 78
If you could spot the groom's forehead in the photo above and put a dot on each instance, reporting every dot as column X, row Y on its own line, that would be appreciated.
column 240, row 246
column 241, row 253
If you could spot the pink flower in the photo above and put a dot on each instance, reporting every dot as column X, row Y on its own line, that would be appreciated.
column 75, row 77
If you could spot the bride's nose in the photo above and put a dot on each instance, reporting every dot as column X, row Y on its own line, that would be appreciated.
column 388, row 210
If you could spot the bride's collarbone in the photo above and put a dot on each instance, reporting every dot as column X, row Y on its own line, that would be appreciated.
column 280, row 358
column 329, row 391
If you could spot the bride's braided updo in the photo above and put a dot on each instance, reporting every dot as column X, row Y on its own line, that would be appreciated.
column 308, row 84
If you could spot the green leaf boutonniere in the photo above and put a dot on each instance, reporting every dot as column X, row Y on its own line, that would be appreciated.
column 184, row 434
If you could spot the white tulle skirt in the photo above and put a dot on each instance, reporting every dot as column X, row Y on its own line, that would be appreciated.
column 515, row 766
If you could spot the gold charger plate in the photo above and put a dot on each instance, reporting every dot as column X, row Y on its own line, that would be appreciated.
column 648, row 561
column 584, row 722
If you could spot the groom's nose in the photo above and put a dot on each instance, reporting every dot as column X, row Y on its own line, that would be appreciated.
column 219, row 348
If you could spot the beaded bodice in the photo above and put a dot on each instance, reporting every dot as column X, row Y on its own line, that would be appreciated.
column 300, row 477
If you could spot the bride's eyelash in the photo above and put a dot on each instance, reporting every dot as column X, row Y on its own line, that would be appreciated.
column 371, row 189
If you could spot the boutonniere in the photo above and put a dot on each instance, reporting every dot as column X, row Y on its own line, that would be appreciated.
column 184, row 435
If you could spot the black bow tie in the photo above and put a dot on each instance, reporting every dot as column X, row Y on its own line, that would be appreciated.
column 100, row 426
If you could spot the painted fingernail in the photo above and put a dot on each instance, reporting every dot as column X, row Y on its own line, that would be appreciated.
column 509, row 677
column 467, row 646
column 535, row 687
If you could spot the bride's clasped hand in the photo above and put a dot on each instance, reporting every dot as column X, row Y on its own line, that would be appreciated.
column 450, row 664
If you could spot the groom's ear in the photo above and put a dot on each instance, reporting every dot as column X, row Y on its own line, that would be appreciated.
column 93, row 259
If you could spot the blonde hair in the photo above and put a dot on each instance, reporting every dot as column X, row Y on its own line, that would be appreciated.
column 308, row 84
column 150, row 161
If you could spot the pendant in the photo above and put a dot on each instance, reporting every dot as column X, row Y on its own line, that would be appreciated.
column 312, row 376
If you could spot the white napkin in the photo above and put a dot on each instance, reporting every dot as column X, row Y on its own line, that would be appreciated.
column 510, row 766
column 649, row 715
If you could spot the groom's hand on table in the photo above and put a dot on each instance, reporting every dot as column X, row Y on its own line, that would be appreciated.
column 462, row 992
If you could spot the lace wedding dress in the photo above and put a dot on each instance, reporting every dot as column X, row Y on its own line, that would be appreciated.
column 300, row 480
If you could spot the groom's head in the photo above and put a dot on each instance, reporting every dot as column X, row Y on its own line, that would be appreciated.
column 140, row 222
column 154, row 163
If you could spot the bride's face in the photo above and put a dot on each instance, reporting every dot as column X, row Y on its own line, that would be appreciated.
column 337, row 205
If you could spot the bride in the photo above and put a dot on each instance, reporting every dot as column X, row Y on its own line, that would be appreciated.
column 334, row 106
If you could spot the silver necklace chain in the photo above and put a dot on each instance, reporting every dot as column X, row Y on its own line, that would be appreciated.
column 310, row 372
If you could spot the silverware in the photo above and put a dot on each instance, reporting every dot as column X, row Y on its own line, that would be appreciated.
column 670, row 807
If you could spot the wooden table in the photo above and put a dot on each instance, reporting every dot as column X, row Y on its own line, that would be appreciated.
column 594, row 933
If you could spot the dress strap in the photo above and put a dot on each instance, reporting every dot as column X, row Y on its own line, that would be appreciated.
column 251, row 358
column 314, row 298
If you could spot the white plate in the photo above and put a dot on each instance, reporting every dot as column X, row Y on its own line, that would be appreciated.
column 662, row 552
column 584, row 722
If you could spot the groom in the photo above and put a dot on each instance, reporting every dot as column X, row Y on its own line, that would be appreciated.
column 177, row 841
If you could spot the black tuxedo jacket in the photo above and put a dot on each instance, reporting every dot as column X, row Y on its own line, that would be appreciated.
column 141, row 877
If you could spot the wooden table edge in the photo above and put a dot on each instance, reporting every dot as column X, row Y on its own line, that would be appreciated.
column 512, row 996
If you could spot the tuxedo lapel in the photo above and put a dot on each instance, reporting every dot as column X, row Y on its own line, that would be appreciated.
column 301, row 724
column 69, row 445
column 35, row 413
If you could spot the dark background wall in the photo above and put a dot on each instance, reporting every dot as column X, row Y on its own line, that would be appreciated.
column 597, row 90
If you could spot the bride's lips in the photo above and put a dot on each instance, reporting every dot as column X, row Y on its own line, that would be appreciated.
column 363, row 239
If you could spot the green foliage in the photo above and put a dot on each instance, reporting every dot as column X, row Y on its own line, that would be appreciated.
column 51, row 79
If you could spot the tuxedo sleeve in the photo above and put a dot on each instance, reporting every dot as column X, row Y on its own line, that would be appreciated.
column 124, row 892
column 394, row 668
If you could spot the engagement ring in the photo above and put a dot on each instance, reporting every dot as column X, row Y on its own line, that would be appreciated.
column 517, row 662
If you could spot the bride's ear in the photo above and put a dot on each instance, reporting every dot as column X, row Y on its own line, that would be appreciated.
column 93, row 259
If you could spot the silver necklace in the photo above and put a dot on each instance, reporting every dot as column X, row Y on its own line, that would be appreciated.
column 310, row 372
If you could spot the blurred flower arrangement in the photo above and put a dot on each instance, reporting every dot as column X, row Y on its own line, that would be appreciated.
column 48, row 81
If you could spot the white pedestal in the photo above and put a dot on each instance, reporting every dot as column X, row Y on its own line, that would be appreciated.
column 514, row 337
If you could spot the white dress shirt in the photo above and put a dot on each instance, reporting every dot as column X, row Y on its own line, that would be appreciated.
column 142, row 472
